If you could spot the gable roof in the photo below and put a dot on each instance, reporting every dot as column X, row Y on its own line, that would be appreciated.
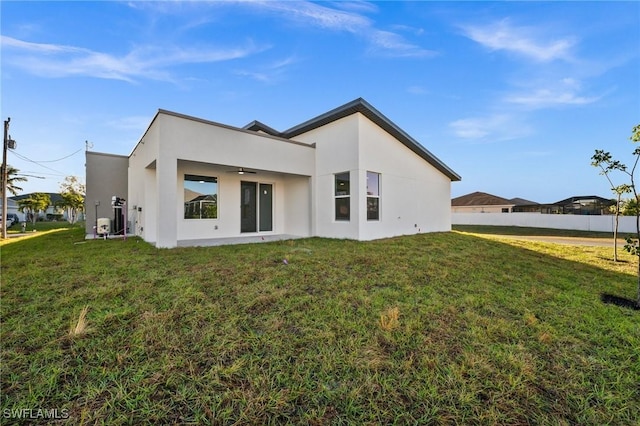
column 366, row 109
column 480, row 199
column 55, row 197
column 355, row 106
column 523, row 202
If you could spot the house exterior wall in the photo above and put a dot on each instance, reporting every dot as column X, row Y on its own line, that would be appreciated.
column 414, row 187
column 291, row 207
column 174, row 146
column 336, row 152
column 143, row 185
column 106, row 176
column 414, row 196
column 298, row 216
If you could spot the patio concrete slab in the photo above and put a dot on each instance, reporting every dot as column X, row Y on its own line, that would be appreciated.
column 210, row 242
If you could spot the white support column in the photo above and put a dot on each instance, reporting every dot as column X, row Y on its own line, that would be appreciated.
column 167, row 201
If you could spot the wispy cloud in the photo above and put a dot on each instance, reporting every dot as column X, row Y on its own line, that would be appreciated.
column 9, row 42
column 408, row 29
column 491, row 128
column 567, row 91
column 339, row 16
column 545, row 98
column 381, row 42
column 387, row 43
column 270, row 73
column 356, row 6
column 315, row 14
column 143, row 62
column 543, row 85
column 530, row 42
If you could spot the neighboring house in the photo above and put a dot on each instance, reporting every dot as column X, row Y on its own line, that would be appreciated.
column 349, row 173
column 481, row 202
column 52, row 212
column 520, row 205
column 583, row 205
column 12, row 208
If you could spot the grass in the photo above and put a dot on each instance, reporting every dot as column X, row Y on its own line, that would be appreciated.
column 14, row 233
column 526, row 231
column 81, row 325
column 442, row 328
column 16, row 228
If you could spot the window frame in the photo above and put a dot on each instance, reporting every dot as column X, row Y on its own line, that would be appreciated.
column 371, row 196
column 341, row 199
column 202, row 179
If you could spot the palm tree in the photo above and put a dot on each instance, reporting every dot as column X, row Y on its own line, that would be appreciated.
column 12, row 178
column 31, row 206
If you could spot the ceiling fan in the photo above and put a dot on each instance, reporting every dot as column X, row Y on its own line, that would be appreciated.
column 242, row 171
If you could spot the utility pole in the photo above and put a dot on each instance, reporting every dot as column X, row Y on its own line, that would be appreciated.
column 5, row 177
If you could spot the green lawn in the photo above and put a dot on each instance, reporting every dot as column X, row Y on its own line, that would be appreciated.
column 486, row 332
column 16, row 228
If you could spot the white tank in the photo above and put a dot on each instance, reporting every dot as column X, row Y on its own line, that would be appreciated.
column 104, row 226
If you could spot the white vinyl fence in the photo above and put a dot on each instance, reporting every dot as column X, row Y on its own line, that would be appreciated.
column 604, row 223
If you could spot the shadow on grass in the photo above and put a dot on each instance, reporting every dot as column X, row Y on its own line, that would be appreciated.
column 527, row 231
column 623, row 302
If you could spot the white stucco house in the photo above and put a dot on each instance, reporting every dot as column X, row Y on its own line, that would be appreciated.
column 348, row 173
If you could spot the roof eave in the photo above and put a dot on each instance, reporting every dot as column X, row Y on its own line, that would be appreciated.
column 258, row 126
column 366, row 109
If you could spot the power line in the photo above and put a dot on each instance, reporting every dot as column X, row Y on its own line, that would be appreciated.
column 35, row 162
column 40, row 173
column 39, row 177
column 59, row 159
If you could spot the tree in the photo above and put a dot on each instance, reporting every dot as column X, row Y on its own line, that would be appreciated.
column 36, row 202
column 629, row 207
column 12, row 178
column 72, row 193
column 633, row 244
column 608, row 164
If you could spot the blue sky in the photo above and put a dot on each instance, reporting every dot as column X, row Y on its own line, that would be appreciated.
column 514, row 96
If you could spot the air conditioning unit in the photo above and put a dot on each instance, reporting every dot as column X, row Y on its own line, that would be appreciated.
column 104, row 226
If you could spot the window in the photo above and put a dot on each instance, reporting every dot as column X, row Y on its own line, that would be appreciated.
column 200, row 197
column 343, row 200
column 505, row 210
column 373, row 196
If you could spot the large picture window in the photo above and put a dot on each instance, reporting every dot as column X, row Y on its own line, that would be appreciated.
column 342, row 196
column 373, row 196
column 200, row 197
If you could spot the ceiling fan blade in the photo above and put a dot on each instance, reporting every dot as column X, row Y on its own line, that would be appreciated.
column 241, row 171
